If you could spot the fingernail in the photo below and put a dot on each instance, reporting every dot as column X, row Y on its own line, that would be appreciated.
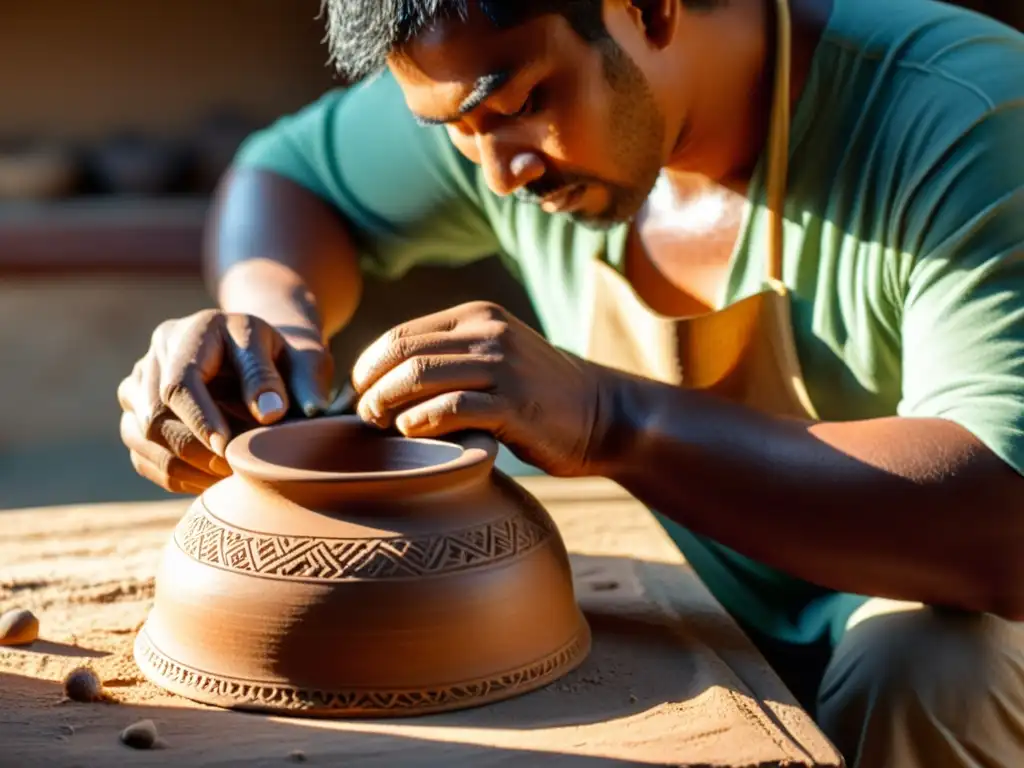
column 219, row 466
column 269, row 404
column 218, row 443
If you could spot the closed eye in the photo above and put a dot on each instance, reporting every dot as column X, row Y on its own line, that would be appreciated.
column 531, row 106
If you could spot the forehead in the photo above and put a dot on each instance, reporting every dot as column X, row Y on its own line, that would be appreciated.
column 453, row 54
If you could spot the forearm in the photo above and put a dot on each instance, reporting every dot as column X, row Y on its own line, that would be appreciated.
column 276, row 251
column 914, row 509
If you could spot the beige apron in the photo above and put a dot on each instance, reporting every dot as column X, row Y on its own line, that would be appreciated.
column 744, row 352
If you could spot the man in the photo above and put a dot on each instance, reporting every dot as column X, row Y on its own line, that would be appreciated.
column 625, row 159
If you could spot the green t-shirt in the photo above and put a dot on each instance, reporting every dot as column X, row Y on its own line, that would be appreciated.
column 904, row 239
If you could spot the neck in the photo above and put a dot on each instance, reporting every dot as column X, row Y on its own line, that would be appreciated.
column 726, row 129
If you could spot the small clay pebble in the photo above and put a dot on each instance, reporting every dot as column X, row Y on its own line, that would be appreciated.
column 297, row 756
column 140, row 735
column 18, row 627
column 82, row 684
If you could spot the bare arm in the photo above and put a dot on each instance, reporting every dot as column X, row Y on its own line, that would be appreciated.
column 276, row 251
column 912, row 509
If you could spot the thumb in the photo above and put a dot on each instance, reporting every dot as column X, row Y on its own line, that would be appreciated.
column 254, row 346
column 310, row 376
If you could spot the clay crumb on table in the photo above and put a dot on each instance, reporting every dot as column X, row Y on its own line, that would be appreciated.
column 140, row 735
column 83, row 685
column 18, row 627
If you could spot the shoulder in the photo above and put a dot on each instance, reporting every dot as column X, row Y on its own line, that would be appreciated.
column 931, row 100
column 922, row 58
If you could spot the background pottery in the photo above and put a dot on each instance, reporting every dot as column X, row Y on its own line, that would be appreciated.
column 36, row 170
column 131, row 163
column 344, row 572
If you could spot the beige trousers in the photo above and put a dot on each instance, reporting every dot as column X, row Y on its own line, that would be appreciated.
column 914, row 687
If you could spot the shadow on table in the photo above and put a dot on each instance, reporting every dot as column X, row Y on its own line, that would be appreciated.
column 35, row 729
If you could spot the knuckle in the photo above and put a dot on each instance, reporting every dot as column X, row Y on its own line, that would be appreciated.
column 137, row 463
column 207, row 316
column 456, row 403
column 254, row 370
column 487, row 310
column 161, row 332
column 124, row 393
column 174, row 389
column 151, row 426
column 415, row 370
column 128, row 429
column 396, row 342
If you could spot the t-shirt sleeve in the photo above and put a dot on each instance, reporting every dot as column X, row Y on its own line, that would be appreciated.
column 963, row 311
column 409, row 197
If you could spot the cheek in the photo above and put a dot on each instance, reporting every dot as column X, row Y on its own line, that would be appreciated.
column 577, row 133
column 464, row 143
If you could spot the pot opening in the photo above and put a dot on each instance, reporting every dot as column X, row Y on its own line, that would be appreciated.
column 347, row 450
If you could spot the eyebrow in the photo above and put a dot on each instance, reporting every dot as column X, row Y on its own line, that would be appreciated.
column 485, row 87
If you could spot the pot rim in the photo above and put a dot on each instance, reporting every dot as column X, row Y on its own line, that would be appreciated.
column 476, row 449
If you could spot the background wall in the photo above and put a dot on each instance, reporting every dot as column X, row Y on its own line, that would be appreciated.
column 77, row 70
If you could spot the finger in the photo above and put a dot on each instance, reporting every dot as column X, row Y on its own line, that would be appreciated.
column 183, row 391
column 310, row 374
column 155, row 474
column 394, row 348
column 174, row 449
column 127, row 385
column 140, row 393
column 170, row 433
column 190, row 354
column 453, row 412
column 254, row 346
column 420, row 378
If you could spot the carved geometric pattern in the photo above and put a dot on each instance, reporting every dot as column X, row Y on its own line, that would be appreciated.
column 208, row 540
column 243, row 694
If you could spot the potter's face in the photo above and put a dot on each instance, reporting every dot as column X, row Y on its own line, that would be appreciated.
column 551, row 118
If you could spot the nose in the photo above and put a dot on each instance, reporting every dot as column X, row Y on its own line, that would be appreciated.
column 507, row 169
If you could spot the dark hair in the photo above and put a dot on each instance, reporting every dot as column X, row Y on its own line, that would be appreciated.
column 362, row 33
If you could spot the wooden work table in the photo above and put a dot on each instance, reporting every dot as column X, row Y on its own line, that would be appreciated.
column 671, row 679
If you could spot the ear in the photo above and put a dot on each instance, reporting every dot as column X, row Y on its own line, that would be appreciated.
column 656, row 19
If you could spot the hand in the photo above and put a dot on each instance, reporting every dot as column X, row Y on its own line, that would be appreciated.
column 206, row 377
column 476, row 367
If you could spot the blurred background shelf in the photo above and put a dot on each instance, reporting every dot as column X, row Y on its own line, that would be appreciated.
column 80, row 78
column 97, row 235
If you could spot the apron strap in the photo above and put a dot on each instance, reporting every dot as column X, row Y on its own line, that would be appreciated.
column 778, row 140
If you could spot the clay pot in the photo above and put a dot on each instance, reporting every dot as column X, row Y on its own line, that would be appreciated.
column 344, row 572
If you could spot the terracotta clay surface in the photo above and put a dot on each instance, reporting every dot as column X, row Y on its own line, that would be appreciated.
column 670, row 679
column 341, row 571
